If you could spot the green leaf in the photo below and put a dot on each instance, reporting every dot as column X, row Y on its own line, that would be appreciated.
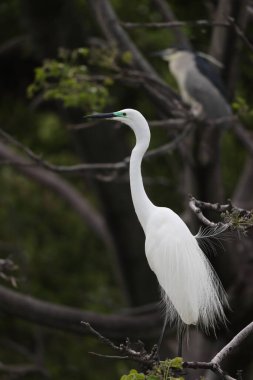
column 127, row 57
column 177, row 362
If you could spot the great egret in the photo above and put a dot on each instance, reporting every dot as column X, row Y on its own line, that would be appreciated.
column 190, row 288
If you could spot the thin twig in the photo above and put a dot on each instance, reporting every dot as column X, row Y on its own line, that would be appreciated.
column 126, row 350
column 164, row 149
column 241, row 34
column 174, row 24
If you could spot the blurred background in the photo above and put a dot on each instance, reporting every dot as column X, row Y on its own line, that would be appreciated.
column 71, row 247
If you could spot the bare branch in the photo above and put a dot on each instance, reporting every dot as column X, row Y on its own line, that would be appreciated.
column 126, row 350
column 167, row 123
column 244, row 137
column 234, row 217
column 225, row 23
column 22, row 369
column 169, row 16
column 164, row 149
column 13, row 43
column 172, row 145
column 233, row 344
column 194, row 205
column 7, row 267
column 214, row 367
column 242, row 195
column 174, row 24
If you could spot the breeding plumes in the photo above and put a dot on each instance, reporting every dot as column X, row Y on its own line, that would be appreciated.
column 190, row 288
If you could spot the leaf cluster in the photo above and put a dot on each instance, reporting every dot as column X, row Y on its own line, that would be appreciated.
column 170, row 369
column 69, row 80
column 239, row 220
column 244, row 110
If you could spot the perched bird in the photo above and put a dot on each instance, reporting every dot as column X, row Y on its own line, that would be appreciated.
column 199, row 82
column 190, row 288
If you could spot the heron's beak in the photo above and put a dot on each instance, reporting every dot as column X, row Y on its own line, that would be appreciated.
column 162, row 53
column 100, row 116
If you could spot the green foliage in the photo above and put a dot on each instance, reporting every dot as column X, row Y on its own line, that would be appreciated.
column 239, row 220
column 244, row 110
column 170, row 369
column 69, row 80
column 133, row 375
column 127, row 57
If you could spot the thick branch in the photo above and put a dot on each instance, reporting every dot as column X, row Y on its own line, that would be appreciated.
column 243, row 192
column 243, row 136
column 233, row 344
column 69, row 318
column 21, row 370
column 220, row 36
column 61, row 188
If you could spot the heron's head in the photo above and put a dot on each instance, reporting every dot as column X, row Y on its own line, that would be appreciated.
column 171, row 54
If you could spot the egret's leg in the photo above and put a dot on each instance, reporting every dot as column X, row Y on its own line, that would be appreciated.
column 162, row 332
column 181, row 334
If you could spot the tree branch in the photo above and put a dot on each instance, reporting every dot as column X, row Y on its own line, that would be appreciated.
column 69, row 318
column 22, row 369
column 164, row 149
column 126, row 350
column 112, row 29
column 233, row 344
column 168, row 15
column 53, row 182
column 149, row 360
column 233, row 217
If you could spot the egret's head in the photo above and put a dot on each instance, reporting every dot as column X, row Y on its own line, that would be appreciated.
column 127, row 116
column 134, row 119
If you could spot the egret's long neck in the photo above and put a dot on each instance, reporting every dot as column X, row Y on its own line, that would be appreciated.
column 141, row 202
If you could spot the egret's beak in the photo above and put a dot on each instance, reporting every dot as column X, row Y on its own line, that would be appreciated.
column 100, row 116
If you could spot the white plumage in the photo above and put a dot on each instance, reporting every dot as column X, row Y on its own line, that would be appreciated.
column 190, row 287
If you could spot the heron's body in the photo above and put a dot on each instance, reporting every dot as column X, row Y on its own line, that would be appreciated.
column 190, row 288
column 199, row 83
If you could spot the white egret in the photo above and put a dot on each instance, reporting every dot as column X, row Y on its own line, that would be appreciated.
column 190, row 288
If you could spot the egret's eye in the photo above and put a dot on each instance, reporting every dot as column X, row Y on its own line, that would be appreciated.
column 124, row 114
